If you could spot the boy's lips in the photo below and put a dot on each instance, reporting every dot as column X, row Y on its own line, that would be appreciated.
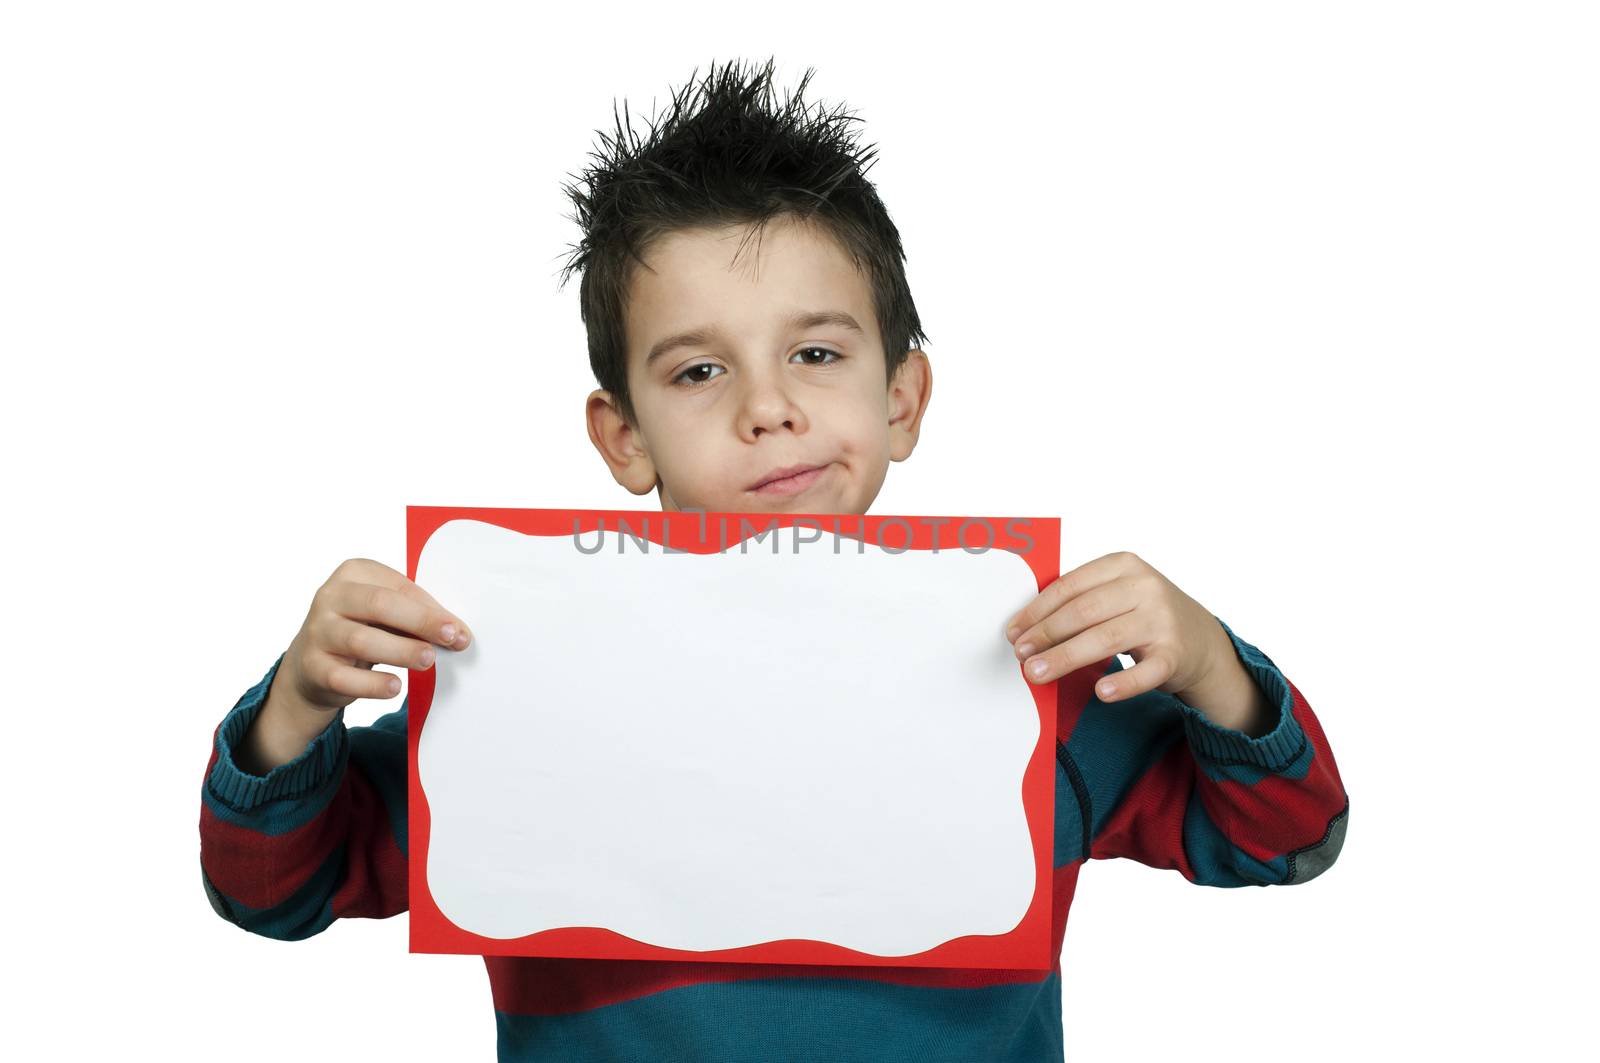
column 789, row 480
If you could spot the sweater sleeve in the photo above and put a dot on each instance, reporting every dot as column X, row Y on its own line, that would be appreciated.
column 320, row 838
column 1154, row 780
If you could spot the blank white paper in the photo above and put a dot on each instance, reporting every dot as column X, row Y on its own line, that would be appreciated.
column 720, row 750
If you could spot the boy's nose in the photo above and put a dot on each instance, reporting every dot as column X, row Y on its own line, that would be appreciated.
column 768, row 408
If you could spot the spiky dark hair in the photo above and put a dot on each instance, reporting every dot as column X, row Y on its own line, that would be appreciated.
column 723, row 155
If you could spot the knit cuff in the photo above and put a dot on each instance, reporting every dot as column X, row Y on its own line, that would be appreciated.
column 1273, row 751
column 321, row 764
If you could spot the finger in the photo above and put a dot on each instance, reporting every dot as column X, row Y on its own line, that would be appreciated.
column 1104, row 640
column 1092, row 607
column 349, row 681
column 397, row 610
column 1062, row 590
column 1155, row 669
column 365, row 646
column 365, row 570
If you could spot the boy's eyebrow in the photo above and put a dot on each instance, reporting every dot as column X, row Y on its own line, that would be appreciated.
column 699, row 337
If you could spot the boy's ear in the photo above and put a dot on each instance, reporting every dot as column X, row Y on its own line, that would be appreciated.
column 909, row 393
column 619, row 443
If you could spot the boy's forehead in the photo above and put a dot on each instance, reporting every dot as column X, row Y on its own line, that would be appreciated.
column 731, row 280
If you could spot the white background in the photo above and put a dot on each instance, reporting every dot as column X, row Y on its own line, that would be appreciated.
column 1296, row 302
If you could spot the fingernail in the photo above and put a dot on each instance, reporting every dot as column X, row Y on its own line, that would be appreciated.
column 462, row 640
column 1025, row 650
column 1107, row 689
column 1038, row 668
column 426, row 657
column 1012, row 632
column 449, row 632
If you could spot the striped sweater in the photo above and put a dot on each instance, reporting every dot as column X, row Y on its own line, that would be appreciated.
column 1149, row 778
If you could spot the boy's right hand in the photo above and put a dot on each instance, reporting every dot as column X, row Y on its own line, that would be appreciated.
column 365, row 614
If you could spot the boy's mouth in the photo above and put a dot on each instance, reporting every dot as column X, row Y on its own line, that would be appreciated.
column 788, row 481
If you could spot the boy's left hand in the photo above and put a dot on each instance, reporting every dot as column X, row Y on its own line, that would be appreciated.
column 1120, row 604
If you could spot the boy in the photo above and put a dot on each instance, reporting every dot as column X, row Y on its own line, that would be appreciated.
column 787, row 383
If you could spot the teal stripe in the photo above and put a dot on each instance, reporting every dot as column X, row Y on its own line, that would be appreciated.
column 379, row 751
column 274, row 817
column 1115, row 744
column 1068, row 845
column 1250, row 774
column 1217, row 861
column 801, row 1020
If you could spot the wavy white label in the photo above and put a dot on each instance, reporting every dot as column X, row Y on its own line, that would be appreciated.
column 712, row 751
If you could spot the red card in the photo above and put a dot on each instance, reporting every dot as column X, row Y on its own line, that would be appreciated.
column 736, row 737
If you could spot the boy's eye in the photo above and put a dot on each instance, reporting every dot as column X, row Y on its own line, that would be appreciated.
column 820, row 350
column 693, row 378
column 683, row 376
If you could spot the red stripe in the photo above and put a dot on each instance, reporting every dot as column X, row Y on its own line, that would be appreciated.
column 1147, row 825
column 1275, row 815
column 1265, row 819
column 376, row 884
column 261, row 870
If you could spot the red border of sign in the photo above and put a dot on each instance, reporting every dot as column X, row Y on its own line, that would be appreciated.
column 1025, row 947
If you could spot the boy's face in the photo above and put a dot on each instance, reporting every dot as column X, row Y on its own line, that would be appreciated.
column 730, row 386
